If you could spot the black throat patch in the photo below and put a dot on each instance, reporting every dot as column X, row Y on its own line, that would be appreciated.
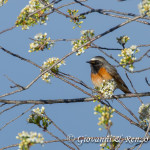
column 95, row 68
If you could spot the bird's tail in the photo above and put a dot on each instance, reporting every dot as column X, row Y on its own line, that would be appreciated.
column 125, row 89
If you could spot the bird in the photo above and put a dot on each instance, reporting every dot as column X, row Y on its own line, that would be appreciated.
column 102, row 70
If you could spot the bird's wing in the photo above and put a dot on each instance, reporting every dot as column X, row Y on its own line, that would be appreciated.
column 120, row 83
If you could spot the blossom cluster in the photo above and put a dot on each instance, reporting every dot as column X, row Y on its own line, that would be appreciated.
column 105, row 116
column 128, row 55
column 144, row 7
column 2, row 2
column 144, row 111
column 38, row 117
column 29, row 139
column 39, row 111
column 107, row 88
column 27, row 19
column 47, row 64
column 122, row 40
column 40, row 43
column 107, row 145
column 76, row 19
column 86, row 36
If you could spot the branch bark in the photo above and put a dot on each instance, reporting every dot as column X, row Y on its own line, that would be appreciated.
column 74, row 100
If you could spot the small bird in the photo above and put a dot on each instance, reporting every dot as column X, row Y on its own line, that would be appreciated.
column 102, row 70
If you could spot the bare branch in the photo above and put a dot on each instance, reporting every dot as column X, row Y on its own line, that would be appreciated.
column 8, row 108
column 143, row 45
column 50, row 133
column 145, row 54
column 2, row 105
column 107, row 12
column 59, row 139
column 61, row 130
column 131, row 148
column 17, row 117
column 74, row 100
column 8, row 29
column 146, row 135
column 18, row 56
column 105, row 48
column 128, row 119
column 10, row 146
column 137, row 71
column 16, row 85
column 64, row 6
column 128, row 109
column 133, row 88
column 147, row 81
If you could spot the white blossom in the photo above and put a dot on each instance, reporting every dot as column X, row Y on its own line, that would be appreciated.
column 29, row 139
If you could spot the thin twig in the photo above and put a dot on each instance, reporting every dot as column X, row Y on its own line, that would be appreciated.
column 17, row 117
column 8, row 29
column 128, row 119
column 108, row 13
column 59, row 139
column 18, row 56
column 60, row 130
column 145, row 54
column 137, row 71
column 62, row 7
column 128, row 109
column 147, row 81
column 69, row 40
column 77, row 87
column 146, row 134
column 131, row 148
column 113, row 11
column 50, row 133
column 105, row 48
column 143, row 45
column 2, row 105
column 10, row 146
column 16, row 85
column 8, row 108
column 133, row 87
column 76, row 80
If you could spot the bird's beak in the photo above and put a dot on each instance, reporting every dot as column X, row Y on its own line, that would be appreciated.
column 88, row 62
column 91, row 62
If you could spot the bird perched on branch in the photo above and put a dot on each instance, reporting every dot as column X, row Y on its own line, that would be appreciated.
column 102, row 70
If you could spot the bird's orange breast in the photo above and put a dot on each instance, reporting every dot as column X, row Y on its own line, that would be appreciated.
column 98, row 78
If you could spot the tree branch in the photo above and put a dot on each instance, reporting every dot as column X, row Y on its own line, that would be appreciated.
column 8, row 29
column 17, row 117
column 74, row 100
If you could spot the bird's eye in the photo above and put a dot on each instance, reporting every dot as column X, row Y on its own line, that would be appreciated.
column 97, row 62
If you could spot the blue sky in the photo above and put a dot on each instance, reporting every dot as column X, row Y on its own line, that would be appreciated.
column 76, row 118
